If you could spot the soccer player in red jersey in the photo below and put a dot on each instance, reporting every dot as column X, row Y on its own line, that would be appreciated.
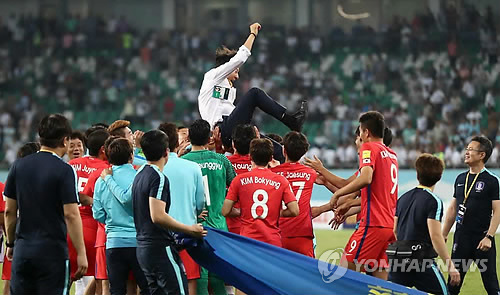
column 84, row 167
column 242, row 136
column 260, row 193
column 378, row 181
column 297, row 233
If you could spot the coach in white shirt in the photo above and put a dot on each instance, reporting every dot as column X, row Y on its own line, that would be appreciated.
column 217, row 94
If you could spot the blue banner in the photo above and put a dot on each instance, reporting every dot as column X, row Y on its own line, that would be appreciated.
column 259, row 268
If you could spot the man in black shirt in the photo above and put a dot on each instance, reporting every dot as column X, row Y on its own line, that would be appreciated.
column 476, row 209
column 159, row 261
column 43, row 187
column 418, row 225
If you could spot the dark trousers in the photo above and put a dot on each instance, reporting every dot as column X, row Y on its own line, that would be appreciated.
column 464, row 251
column 163, row 270
column 120, row 262
column 243, row 114
column 39, row 276
column 430, row 280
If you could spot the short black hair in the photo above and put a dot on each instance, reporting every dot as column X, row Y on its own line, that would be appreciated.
column 76, row 134
column 223, row 55
column 108, row 142
column 387, row 136
column 374, row 122
column 296, row 145
column 96, row 140
column 154, row 144
column 356, row 132
column 199, row 132
column 94, row 127
column 429, row 169
column 170, row 130
column 119, row 151
column 242, row 136
column 485, row 146
column 53, row 129
column 28, row 149
column 261, row 151
column 275, row 137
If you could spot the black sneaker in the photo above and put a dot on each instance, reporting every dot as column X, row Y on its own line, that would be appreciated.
column 297, row 119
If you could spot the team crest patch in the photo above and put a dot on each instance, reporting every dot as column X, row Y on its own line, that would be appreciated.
column 479, row 186
column 367, row 154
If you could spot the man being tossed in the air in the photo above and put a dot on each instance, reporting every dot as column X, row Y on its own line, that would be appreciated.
column 217, row 95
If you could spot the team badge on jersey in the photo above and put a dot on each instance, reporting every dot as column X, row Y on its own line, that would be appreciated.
column 366, row 157
column 479, row 186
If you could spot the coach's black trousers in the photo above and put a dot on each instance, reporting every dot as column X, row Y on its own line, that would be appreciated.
column 243, row 114
column 120, row 262
column 39, row 276
column 427, row 278
column 163, row 270
column 465, row 251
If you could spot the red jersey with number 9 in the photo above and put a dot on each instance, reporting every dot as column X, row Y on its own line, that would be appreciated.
column 301, row 179
column 378, row 200
column 84, row 167
column 260, row 193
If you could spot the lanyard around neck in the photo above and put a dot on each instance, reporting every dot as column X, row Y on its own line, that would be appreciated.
column 467, row 192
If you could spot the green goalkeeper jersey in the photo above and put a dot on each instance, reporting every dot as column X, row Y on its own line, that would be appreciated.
column 217, row 174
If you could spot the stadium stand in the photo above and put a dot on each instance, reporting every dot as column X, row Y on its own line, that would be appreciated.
column 435, row 89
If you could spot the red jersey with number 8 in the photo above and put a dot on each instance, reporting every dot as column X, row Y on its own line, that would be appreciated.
column 378, row 200
column 301, row 179
column 260, row 193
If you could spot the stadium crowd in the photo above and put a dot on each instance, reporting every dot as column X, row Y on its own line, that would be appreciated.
column 435, row 78
column 129, row 205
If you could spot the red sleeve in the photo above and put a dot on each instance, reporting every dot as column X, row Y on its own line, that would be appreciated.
column 367, row 156
column 288, row 195
column 234, row 188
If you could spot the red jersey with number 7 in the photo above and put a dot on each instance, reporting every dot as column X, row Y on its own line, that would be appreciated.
column 301, row 179
column 378, row 199
column 260, row 193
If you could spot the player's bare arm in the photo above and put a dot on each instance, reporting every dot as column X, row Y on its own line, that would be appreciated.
column 254, row 32
column 159, row 217
column 228, row 210
column 292, row 210
column 449, row 219
column 333, row 179
column 440, row 246
column 485, row 243
column 364, row 179
column 395, row 228
column 85, row 200
column 347, row 204
column 10, row 223
column 75, row 232
column 321, row 180
column 318, row 210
